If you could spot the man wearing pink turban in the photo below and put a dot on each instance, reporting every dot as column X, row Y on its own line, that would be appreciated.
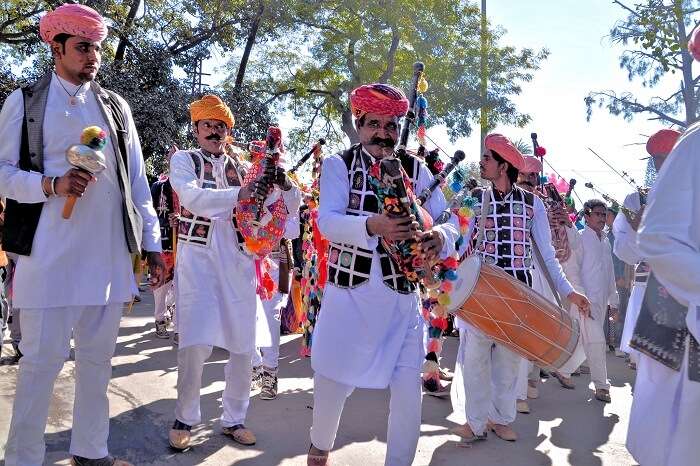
column 666, row 328
column 72, row 276
column 506, row 221
column 365, row 290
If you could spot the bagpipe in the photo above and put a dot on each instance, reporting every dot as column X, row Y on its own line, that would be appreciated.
column 553, row 202
column 395, row 193
column 262, row 219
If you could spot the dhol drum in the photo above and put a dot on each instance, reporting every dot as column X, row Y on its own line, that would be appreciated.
column 513, row 314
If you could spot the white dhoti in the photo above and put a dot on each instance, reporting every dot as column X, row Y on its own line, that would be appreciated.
column 404, row 407
column 163, row 297
column 490, row 381
column 664, row 419
column 633, row 307
column 268, row 355
column 46, row 335
column 236, row 396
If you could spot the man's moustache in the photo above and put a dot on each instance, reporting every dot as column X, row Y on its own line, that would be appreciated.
column 383, row 142
column 213, row 137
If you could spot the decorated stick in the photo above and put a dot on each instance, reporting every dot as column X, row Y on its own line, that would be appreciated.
column 539, row 152
column 307, row 156
column 440, row 177
column 272, row 154
column 86, row 156
column 418, row 68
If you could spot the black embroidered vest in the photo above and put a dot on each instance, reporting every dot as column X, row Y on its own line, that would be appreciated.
column 195, row 229
column 507, row 243
column 349, row 266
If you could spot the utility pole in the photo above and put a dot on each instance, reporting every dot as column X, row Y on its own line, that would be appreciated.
column 194, row 76
column 484, row 75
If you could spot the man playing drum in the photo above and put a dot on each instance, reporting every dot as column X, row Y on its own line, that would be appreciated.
column 507, row 218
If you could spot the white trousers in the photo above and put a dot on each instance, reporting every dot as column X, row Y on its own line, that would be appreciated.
column 236, row 396
column 490, row 381
column 268, row 356
column 45, row 344
column 525, row 370
column 664, row 420
column 162, row 297
column 404, row 414
column 594, row 348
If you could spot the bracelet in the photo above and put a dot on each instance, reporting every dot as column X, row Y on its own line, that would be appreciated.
column 43, row 186
column 53, row 185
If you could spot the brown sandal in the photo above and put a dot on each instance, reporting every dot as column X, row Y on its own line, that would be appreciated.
column 317, row 460
column 240, row 434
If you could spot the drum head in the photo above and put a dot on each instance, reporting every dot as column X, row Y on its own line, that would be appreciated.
column 467, row 276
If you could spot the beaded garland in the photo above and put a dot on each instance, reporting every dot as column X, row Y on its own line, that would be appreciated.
column 436, row 299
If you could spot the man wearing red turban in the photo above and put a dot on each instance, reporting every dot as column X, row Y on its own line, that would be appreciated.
column 663, row 419
column 73, row 276
column 365, row 290
column 625, row 228
column 508, row 223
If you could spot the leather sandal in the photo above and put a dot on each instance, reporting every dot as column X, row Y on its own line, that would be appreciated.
column 504, row 432
column 180, row 436
column 240, row 434
column 467, row 434
column 603, row 395
column 565, row 382
column 106, row 461
column 317, row 460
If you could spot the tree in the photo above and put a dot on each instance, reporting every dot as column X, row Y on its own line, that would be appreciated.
column 346, row 43
column 657, row 34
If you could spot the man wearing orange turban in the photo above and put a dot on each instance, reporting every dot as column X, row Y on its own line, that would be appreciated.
column 72, row 276
column 216, row 298
column 365, row 289
column 511, row 220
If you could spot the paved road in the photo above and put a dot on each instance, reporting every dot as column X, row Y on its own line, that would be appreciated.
column 565, row 428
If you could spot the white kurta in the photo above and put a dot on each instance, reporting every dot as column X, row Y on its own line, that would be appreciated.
column 626, row 249
column 83, row 261
column 360, row 332
column 598, row 280
column 215, row 285
column 664, row 419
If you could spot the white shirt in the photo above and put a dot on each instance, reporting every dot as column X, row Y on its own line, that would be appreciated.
column 597, row 271
column 625, row 246
column 84, row 260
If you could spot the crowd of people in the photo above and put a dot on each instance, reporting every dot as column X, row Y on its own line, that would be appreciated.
column 626, row 274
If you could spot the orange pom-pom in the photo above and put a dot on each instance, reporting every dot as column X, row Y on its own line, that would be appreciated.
column 434, row 346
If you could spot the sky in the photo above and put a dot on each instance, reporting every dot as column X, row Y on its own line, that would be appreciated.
column 582, row 59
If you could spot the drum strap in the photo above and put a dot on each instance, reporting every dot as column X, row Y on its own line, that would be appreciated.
column 485, row 206
column 545, row 271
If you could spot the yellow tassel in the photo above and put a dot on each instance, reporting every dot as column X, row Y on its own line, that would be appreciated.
column 422, row 84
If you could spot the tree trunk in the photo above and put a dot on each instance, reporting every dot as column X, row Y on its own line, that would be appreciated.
column 121, row 48
column 252, row 34
column 348, row 127
column 687, row 85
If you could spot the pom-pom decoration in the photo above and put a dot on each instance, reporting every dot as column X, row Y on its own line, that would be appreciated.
column 540, row 151
column 93, row 137
column 694, row 44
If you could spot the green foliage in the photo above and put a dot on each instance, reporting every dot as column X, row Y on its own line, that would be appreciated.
column 657, row 34
column 348, row 43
